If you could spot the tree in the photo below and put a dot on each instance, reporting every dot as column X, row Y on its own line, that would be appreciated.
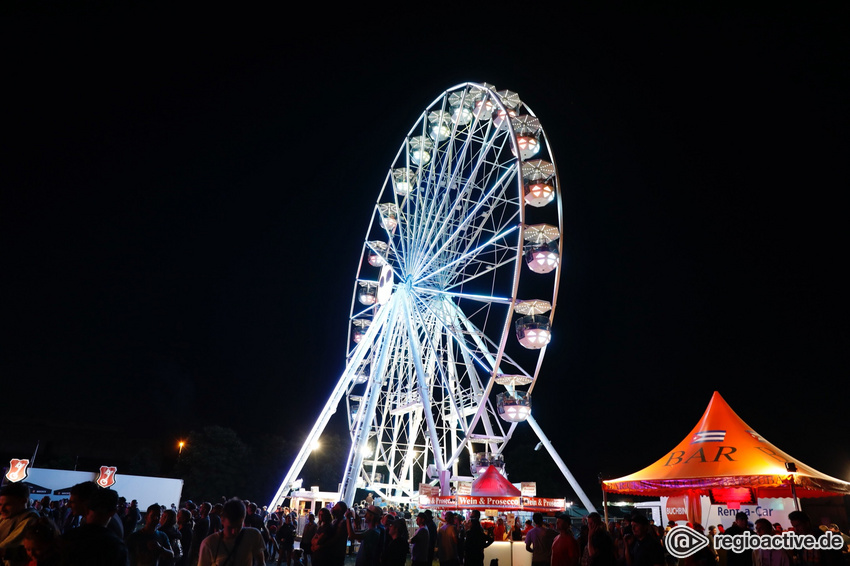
column 215, row 463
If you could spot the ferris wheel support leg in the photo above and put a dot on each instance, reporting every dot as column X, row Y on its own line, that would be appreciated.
column 367, row 414
column 327, row 412
column 356, row 453
column 423, row 387
column 560, row 463
column 306, row 448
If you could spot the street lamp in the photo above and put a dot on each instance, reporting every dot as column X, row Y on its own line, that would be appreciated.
column 791, row 467
column 180, row 446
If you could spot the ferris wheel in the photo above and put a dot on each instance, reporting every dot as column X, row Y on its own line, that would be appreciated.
column 453, row 300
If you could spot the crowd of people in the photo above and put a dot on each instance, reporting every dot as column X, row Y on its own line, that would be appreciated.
column 95, row 527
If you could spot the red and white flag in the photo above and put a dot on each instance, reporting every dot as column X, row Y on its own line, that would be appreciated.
column 17, row 470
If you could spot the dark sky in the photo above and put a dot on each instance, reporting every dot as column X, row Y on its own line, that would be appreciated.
column 184, row 199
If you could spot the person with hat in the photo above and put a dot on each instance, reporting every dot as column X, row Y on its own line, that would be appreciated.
column 396, row 551
column 371, row 539
column 565, row 551
column 419, row 542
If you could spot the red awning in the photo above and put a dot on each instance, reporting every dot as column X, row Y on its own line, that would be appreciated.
column 492, row 483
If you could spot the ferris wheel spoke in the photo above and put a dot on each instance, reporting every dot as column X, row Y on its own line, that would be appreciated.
column 445, row 232
column 449, row 156
column 486, row 299
column 468, row 256
column 427, row 207
column 447, row 374
column 449, row 238
column 471, row 361
column 481, row 273
column 491, row 357
column 453, row 331
column 421, row 379
column 464, row 234
column 447, row 201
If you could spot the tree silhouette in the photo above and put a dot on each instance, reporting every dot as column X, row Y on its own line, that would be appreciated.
column 215, row 463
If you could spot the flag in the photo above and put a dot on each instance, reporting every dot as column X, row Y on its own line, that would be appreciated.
column 709, row 436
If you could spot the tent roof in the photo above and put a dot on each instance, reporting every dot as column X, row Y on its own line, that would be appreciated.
column 493, row 484
column 722, row 451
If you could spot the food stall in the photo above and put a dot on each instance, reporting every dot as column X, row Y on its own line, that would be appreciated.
column 493, row 494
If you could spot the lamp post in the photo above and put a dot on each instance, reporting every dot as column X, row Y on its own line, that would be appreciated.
column 604, row 498
column 792, row 469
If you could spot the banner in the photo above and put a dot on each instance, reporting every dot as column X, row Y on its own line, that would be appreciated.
column 492, row 503
column 484, row 502
column 448, row 502
column 543, row 504
column 675, row 509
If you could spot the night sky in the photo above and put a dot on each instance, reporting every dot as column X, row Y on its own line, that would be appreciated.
column 184, row 199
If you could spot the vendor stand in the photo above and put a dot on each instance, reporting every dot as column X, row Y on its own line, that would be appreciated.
column 492, row 494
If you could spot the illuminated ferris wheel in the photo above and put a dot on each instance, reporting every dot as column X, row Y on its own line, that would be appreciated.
column 453, row 300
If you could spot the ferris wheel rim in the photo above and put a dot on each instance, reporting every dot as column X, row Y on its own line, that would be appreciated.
column 517, row 254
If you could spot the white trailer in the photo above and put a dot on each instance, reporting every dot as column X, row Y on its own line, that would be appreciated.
column 144, row 489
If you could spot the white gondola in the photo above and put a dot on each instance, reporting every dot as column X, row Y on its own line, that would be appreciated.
column 514, row 407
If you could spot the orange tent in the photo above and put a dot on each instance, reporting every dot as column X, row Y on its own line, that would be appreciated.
column 721, row 455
